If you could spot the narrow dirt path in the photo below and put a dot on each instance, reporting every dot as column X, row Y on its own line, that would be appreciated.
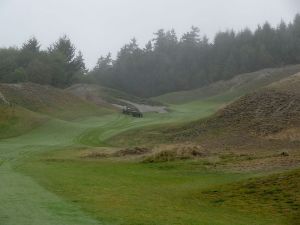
column 147, row 108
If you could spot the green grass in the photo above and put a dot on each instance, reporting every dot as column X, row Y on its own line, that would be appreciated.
column 15, row 121
column 24, row 200
column 275, row 194
column 44, row 181
column 28, row 106
column 131, row 193
column 153, row 133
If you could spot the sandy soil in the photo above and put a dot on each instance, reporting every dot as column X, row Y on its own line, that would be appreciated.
column 147, row 108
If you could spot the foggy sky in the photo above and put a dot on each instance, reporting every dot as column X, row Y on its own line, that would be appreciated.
column 97, row 27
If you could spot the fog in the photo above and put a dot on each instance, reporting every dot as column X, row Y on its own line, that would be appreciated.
column 97, row 27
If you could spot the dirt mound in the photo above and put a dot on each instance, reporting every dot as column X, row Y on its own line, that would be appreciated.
column 268, row 111
column 131, row 152
column 95, row 155
column 136, row 151
column 265, row 112
column 172, row 153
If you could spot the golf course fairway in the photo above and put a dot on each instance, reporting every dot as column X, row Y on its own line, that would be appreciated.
column 44, row 181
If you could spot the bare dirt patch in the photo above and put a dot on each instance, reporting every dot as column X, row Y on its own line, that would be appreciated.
column 147, row 108
column 110, row 153
column 165, row 153
column 132, row 151
column 95, row 155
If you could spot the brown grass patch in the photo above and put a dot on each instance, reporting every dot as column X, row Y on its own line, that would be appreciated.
column 95, row 155
column 165, row 153
column 131, row 151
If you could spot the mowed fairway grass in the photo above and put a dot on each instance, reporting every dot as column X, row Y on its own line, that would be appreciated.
column 44, row 181
column 135, row 193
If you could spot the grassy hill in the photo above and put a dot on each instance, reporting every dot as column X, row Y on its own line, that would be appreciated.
column 279, row 193
column 18, row 120
column 47, row 100
column 270, row 113
column 217, row 169
column 125, row 190
column 266, row 118
column 25, row 106
column 231, row 89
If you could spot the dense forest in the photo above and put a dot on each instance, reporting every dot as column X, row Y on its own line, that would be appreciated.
column 59, row 65
column 167, row 63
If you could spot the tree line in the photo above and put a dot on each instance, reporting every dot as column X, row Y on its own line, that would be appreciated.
column 168, row 63
column 60, row 65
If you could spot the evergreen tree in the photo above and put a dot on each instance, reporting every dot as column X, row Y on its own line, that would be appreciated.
column 168, row 63
column 69, row 64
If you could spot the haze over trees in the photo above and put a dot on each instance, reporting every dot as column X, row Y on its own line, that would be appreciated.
column 58, row 66
column 166, row 63
column 169, row 63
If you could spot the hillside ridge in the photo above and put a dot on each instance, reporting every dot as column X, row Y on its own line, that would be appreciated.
column 25, row 106
column 233, row 88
